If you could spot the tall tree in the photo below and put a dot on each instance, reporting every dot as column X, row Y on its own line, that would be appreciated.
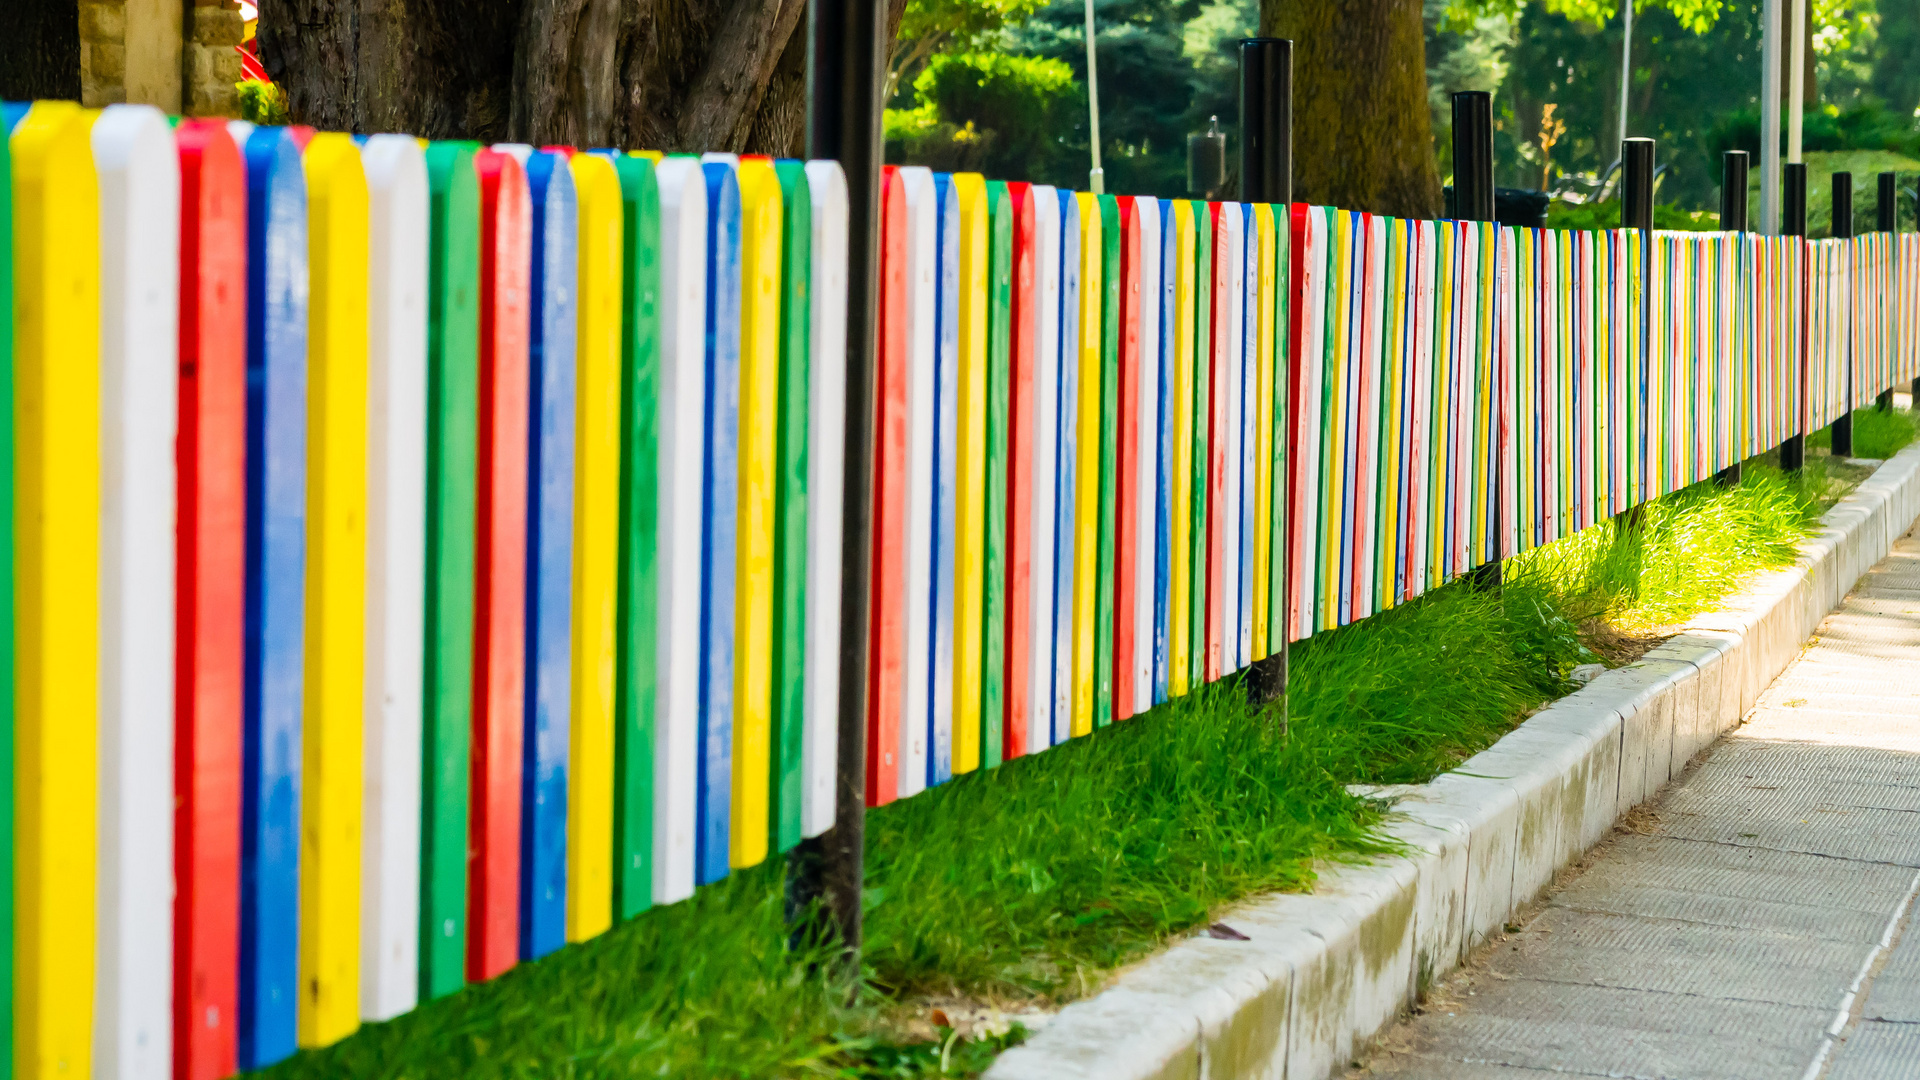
column 662, row 74
column 1361, row 138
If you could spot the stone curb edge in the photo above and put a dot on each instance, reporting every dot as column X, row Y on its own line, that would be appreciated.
column 1320, row 974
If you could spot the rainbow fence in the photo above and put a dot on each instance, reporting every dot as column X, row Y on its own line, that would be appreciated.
column 425, row 555
column 422, row 556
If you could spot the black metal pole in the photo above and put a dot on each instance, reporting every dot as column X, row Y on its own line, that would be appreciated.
column 846, row 65
column 1636, row 212
column 1473, row 155
column 1266, row 175
column 1886, row 212
column 1842, row 229
column 1473, row 201
column 1733, row 218
column 1266, row 120
column 1793, row 452
column 1636, row 204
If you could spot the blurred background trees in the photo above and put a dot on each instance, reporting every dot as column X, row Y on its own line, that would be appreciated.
column 1004, row 90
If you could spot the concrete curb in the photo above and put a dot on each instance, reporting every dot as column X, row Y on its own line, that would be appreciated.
column 1324, row 972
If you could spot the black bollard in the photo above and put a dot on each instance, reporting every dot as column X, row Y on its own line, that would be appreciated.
column 1266, row 175
column 1636, row 212
column 1473, row 201
column 1793, row 451
column 1266, row 120
column 1842, row 229
column 847, row 64
column 1473, row 155
column 1886, row 212
column 1733, row 218
column 1636, row 168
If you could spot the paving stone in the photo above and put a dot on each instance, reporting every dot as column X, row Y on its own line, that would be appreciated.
column 1622, row 1033
column 1878, row 1051
column 1741, row 874
column 1721, row 941
column 1599, row 949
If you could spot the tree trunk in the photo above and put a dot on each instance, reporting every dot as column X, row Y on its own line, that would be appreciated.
column 678, row 75
column 40, row 50
column 1362, row 138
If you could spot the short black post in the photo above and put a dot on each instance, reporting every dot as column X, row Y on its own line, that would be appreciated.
column 1636, row 212
column 846, row 69
column 1842, row 229
column 1266, row 120
column 1733, row 218
column 1636, row 202
column 1473, row 201
column 1266, row 175
column 1793, row 211
column 1886, row 212
column 1473, row 155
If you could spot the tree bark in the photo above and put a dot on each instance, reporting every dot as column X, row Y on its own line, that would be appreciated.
column 1362, row 139
column 40, row 50
column 677, row 75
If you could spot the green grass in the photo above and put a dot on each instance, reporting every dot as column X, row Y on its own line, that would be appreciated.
column 1877, row 434
column 1029, row 884
column 1686, row 551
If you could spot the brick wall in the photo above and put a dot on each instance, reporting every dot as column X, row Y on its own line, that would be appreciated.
column 103, row 52
column 139, row 51
column 212, row 67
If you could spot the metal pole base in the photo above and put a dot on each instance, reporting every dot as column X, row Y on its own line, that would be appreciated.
column 1793, row 453
column 1843, row 436
column 821, row 878
column 1266, row 682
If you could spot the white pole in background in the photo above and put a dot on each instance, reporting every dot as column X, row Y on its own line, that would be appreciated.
column 1096, row 177
column 1797, row 82
column 1770, row 119
column 1626, row 73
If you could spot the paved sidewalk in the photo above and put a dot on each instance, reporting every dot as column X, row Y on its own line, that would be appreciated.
column 1758, row 924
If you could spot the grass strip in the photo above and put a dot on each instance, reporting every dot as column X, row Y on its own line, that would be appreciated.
column 1028, row 885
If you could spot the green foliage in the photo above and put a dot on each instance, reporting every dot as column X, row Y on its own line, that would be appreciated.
column 261, row 102
column 1682, row 81
column 1605, row 214
column 1165, row 67
column 928, row 27
column 1020, row 97
column 1694, row 87
column 1896, row 66
column 1864, row 139
column 1698, row 16
column 1864, row 125
column 961, row 21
